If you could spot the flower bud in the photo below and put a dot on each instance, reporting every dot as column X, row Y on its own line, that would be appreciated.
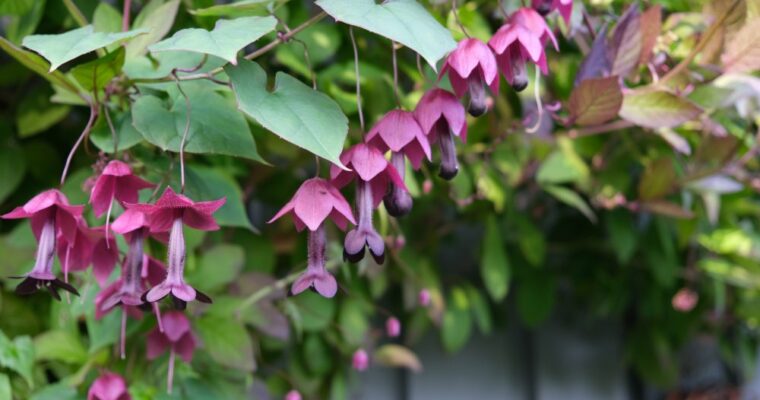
column 360, row 360
column 393, row 327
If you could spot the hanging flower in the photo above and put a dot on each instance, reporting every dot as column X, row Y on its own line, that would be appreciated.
column 314, row 202
column 52, row 219
column 116, row 182
column 423, row 297
column 176, row 337
column 685, row 300
column 105, row 254
column 372, row 173
column 393, row 327
column 170, row 213
column 360, row 360
column 471, row 66
column 293, row 395
column 400, row 133
column 442, row 117
column 521, row 39
column 564, row 7
column 108, row 386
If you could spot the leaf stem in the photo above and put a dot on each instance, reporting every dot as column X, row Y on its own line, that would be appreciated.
column 358, row 78
column 125, row 17
column 395, row 75
column 184, row 136
column 455, row 11
column 85, row 132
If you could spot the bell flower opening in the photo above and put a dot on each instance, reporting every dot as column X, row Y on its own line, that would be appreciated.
column 471, row 66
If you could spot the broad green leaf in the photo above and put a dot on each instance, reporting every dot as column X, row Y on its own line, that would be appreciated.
column 205, row 183
column 162, row 64
column 659, row 179
column 18, row 355
column 322, row 40
column 316, row 354
column 61, row 48
column 126, row 134
column 296, row 112
column 12, row 170
column 58, row 391
column 60, row 346
column 239, row 8
column 106, row 18
column 535, row 298
column 742, row 52
column 457, row 321
column 6, row 392
column 560, row 167
column 622, row 235
column 215, row 126
column 227, row 341
column 316, row 312
column 353, row 322
column 480, row 311
column 595, row 101
column 573, row 199
column 157, row 18
column 224, row 41
column 36, row 114
column 473, row 21
column 96, row 74
column 15, row 7
column 38, row 65
column 657, row 109
column 23, row 25
column 218, row 267
column 494, row 265
column 404, row 21
column 394, row 355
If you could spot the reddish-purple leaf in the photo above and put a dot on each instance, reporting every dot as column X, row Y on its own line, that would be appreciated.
column 743, row 52
column 667, row 208
column 651, row 24
column 625, row 47
column 657, row 109
column 597, row 62
column 659, row 179
column 595, row 101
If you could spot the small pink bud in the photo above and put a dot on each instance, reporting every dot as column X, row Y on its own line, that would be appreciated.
column 685, row 300
column 399, row 242
column 424, row 298
column 427, row 186
column 393, row 327
column 293, row 395
column 360, row 360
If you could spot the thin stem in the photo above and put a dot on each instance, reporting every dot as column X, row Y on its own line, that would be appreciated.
column 358, row 78
column 701, row 45
column 170, row 373
column 184, row 137
column 114, row 136
column 455, row 10
column 395, row 74
column 306, row 56
column 122, row 343
column 85, row 132
column 421, row 70
column 75, row 12
column 125, row 17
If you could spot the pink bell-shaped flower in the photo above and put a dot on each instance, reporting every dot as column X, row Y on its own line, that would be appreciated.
column 115, row 183
column 471, row 66
column 442, row 117
column 177, row 338
column 108, row 386
column 564, row 7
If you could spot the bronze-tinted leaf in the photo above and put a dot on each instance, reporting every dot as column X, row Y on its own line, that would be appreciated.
column 595, row 101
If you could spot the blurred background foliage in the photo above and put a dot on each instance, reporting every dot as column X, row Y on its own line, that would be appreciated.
column 563, row 222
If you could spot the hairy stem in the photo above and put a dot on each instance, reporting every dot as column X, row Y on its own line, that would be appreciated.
column 85, row 132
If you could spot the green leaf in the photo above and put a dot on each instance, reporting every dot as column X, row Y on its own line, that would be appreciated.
column 226, row 341
column 215, row 126
column 296, row 112
column 394, row 355
column 657, row 109
column 18, row 355
column 24, row 25
column 64, row 47
column 316, row 354
column 60, row 346
column 103, row 332
column 322, row 40
column 203, row 183
column 157, row 18
column 595, row 101
column 353, row 322
column 15, row 7
column 126, row 134
column 106, row 18
column 6, row 392
column 38, row 65
column 494, row 265
column 218, row 267
column 480, row 310
column 573, row 199
column 96, row 74
column 535, row 298
column 224, row 41
column 658, row 180
column 36, row 114
column 457, row 321
column 316, row 312
column 58, row 391
column 622, row 234
column 239, row 8
column 404, row 21
column 561, row 168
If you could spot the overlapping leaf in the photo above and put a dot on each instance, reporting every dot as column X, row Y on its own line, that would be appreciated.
column 595, row 101
column 657, row 109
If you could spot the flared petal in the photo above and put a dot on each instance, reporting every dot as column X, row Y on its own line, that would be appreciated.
column 185, row 347
column 156, row 344
column 102, row 194
column 176, row 325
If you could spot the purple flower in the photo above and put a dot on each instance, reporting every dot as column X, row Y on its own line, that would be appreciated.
column 314, row 202
column 108, row 386
column 293, row 395
column 170, row 213
column 470, row 66
column 52, row 217
column 176, row 337
column 360, row 360
column 442, row 117
column 521, row 39
column 116, row 182
column 564, row 7
column 400, row 133
column 393, row 327
column 372, row 173
column 424, row 297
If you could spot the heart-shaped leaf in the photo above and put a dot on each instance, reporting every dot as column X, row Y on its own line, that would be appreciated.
column 95, row 74
column 404, row 21
column 158, row 19
column 657, row 109
column 224, row 41
column 216, row 128
column 296, row 112
column 595, row 101
column 64, row 47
